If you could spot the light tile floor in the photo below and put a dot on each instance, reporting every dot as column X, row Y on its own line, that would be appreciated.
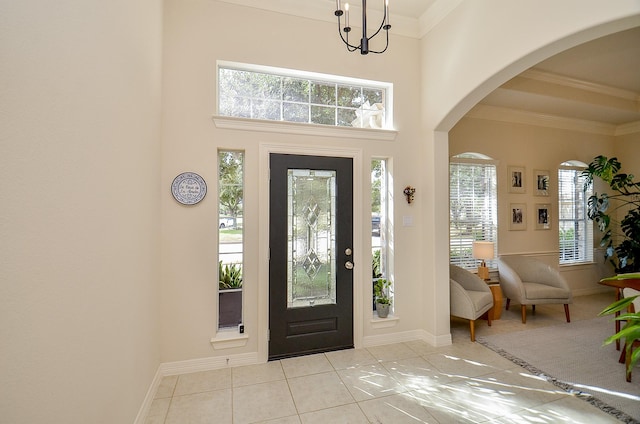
column 410, row 382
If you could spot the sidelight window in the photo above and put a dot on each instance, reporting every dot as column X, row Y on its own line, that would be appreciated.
column 230, row 237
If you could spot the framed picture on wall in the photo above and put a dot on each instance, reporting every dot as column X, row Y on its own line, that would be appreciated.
column 543, row 216
column 517, row 216
column 541, row 182
column 517, row 179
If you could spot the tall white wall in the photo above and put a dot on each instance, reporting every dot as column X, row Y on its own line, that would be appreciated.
column 79, row 208
column 197, row 34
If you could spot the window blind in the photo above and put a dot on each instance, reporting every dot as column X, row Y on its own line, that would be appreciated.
column 472, row 209
column 575, row 228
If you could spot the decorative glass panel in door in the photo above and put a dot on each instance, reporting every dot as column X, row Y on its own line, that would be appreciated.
column 311, row 233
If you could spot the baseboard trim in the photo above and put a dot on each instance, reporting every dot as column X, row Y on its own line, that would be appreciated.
column 591, row 290
column 192, row 365
column 407, row 336
column 148, row 399
column 208, row 364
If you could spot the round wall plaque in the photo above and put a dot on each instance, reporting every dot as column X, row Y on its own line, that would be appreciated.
column 188, row 188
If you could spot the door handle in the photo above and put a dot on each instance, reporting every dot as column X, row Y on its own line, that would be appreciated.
column 348, row 265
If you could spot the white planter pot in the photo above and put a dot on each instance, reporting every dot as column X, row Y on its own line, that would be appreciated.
column 383, row 310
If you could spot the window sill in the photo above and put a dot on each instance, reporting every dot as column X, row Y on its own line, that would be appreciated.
column 576, row 265
column 233, row 123
column 390, row 321
column 229, row 340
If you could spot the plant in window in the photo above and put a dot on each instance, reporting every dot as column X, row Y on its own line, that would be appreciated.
column 381, row 289
column 230, row 276
column 623, row 246
column 229, row 295
column 375, row 264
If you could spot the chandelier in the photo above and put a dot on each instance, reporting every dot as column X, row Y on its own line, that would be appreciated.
column 364, row 41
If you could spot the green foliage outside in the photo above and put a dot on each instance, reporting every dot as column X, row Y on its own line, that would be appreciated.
column 376, row 185
column 230, row 176
column 258, row 95
column 230, row 276
column 311, row 286
column 620, row 237
column 375, row 264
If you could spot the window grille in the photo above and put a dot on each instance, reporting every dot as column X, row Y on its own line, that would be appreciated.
column 259, row 92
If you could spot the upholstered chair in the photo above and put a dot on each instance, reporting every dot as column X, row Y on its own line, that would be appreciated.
column 528, row 281
column 470, row 297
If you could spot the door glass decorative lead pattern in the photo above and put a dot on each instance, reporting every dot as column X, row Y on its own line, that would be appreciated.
column 311, row 238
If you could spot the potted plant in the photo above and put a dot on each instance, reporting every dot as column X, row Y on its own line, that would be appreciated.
column 622, row 239
column 381, row 289
column 230, row 294
column 630, row 332
column 376, row 273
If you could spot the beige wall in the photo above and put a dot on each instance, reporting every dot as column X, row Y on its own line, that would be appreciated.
column 79, row 202
column 534, row 148
column 94, row 248
column 191, row 141
column 626, row 150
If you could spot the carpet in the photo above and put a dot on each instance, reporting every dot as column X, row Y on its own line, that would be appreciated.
column 572, row 357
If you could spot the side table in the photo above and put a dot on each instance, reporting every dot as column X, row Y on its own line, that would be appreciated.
column 496, row 311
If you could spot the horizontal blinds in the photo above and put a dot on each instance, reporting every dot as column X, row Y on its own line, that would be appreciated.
column 575, row 228
column 472, row 210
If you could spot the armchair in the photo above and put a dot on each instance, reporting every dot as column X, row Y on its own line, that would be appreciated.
column 529, row 281
column 470, row 297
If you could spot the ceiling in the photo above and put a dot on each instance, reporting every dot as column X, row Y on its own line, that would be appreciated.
column 596, row 84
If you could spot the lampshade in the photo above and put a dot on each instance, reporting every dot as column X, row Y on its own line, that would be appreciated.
column 483, row 250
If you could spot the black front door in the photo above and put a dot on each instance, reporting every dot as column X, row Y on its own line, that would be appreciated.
column 310, row 265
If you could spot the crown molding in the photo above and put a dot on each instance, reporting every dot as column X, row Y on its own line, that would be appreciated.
column 629, row 128
column 565, row 81
column 323, row 11
column 435, row 14
column 495, row 113
column 414, row 27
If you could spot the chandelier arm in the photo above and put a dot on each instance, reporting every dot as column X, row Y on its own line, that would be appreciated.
column 364, row 42
column 384, row 18
column 350, row 47
column 385, row 47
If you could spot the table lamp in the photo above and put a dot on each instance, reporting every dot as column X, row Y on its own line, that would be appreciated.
column 483, row 250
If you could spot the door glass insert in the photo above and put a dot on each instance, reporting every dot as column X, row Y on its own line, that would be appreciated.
column 311, row 224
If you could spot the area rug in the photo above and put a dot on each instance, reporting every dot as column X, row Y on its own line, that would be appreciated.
column 573, row 358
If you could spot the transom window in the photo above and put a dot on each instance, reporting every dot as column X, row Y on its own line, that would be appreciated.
column 576, row 230
column 259, row 92
column 473, row 210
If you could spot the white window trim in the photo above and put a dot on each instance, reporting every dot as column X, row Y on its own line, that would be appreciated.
column 264, row 125
column 283, row 127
